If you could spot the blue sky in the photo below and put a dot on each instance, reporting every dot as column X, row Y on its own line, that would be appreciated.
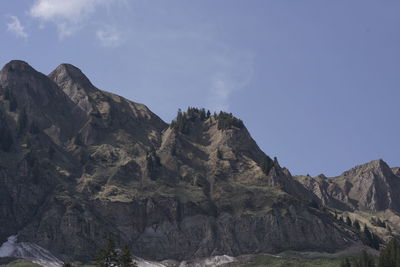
column 316, row 82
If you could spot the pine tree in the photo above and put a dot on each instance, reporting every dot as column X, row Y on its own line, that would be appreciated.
column 367, row 232
column 219, row 154
column 357, row 225
column 390, row 255
column 381, row 223
column 181, row 121
column 202, row 114
column 107, row 257
column 112, row 257
column 227, row 121
column 266, row 165
column 345, row 263
column 373, row 239
column 364, row 260
column 348, row 221
column 125, row 258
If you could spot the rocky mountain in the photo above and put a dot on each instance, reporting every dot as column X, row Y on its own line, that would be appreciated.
column 370, row 187
column 79, row 165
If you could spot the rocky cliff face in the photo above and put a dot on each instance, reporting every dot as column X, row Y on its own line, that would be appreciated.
column 370, row 187
column 79, row 165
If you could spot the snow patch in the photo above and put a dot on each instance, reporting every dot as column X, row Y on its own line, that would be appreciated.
column 208, row 262
column 43, row 257
column 28, row 251
column 205, row 262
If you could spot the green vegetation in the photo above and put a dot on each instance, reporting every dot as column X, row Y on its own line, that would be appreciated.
column 227, row 121
column 373, row 239
column 153, row 164
column 349, row 222
column 183, row 119
column 274, row 261
column 22, row 263
column 110, row 256
column 390, row 255
column 345, row 263
column 219, row 154
column 378, row 222
column 357, row 225
column 266, row 165
column 362, row 260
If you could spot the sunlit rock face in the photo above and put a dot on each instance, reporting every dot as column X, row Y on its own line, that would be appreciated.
column 80, row 165
column 370, row 187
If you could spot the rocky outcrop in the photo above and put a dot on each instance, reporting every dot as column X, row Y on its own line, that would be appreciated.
column 80, row 165
column 370, row 187
column 396, row 171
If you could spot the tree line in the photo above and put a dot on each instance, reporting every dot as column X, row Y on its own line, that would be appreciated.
column 389, row 257
column 183, row 119
column 111, row 256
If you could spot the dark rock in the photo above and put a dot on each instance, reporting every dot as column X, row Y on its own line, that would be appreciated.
column 97, row 166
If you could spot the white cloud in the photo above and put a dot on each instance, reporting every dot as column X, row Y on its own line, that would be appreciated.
column 191, row 64
column 16, row 27
column 221, row 89
column 66, row 14
column 235, row 73
column 109, row 37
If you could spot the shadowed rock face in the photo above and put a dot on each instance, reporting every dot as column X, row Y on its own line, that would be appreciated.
column 79, row 165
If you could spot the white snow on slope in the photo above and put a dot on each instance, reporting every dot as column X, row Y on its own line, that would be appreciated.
column 28, row 251
column 43, row 257
column 208, row 262
column 204, row 262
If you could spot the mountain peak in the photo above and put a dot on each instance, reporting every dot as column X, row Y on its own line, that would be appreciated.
column 70, row 69
column 17, row 65
column 67, row 73
column 375, row 166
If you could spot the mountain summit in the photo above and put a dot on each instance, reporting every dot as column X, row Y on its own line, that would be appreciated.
column 80, row 165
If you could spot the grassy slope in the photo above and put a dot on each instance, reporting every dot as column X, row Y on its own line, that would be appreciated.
column 267, row 260
column 22, row 263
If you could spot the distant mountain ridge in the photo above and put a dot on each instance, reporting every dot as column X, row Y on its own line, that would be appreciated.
column 373, row 186
column 80, row 165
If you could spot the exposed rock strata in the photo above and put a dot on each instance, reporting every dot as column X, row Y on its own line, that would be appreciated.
column 79, row 165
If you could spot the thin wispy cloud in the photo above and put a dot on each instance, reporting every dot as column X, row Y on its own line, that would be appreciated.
column 109, row 37
column 221, row 89
column 16, row 27
column 66, row 15
column 235, row 71
column 195, row 64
